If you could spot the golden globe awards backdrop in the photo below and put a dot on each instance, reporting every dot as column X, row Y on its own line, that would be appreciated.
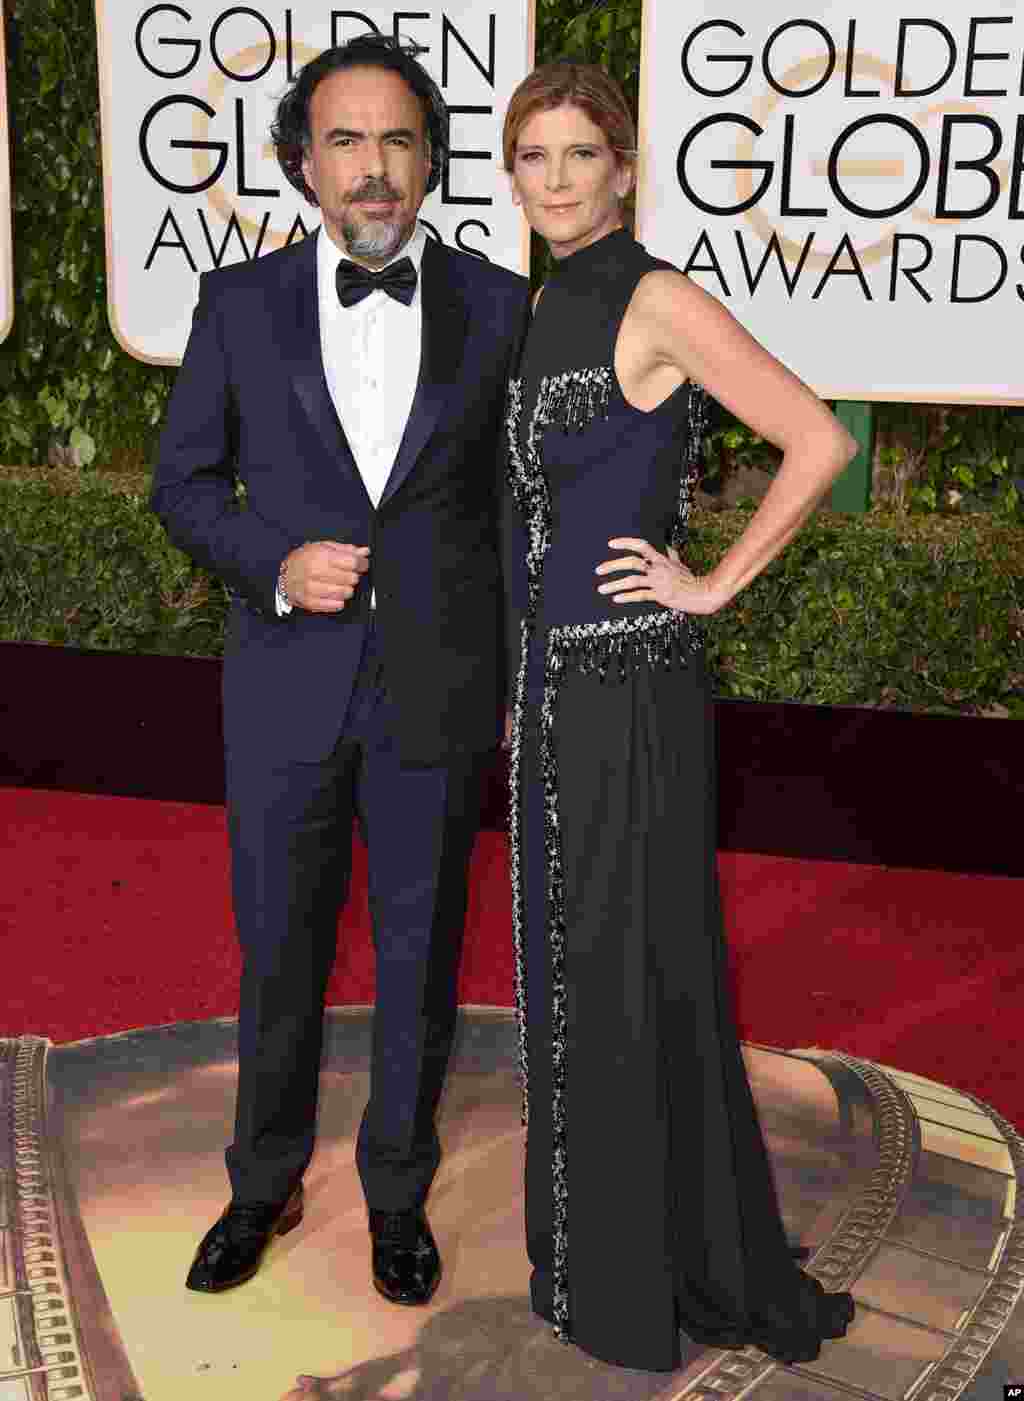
column 849, row 183
column 187, row 94
column 6, row 267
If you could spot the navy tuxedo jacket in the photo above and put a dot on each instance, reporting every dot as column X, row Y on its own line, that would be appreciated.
column 251, row 404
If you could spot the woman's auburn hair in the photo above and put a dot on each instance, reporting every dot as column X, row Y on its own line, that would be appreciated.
column 566, row 84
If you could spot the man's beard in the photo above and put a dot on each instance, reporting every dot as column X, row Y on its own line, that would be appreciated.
column 376, row 239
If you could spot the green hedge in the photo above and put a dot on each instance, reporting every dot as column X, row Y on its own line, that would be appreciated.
column 84, row 562
column 67, row 390
column 920, row 612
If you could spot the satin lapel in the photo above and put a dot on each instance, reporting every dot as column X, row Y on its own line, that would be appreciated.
column 299, row 344
column 444, row 335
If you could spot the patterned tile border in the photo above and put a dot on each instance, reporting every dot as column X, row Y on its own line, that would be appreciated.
column 859, row 1232
column 990, row 1315
column 52, row 1367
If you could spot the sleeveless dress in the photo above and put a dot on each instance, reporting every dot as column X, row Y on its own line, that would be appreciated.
column 650, row 1205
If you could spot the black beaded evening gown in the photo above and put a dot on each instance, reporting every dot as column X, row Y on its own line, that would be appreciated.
column 650, row 1205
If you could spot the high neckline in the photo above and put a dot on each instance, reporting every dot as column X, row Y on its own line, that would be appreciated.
column 581, row 265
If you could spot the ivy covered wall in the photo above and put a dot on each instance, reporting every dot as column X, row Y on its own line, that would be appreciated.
column 68, row 393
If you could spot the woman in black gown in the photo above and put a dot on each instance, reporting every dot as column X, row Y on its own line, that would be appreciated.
column 650, row 1206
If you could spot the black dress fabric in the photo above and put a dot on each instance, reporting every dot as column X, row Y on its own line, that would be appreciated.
column 650, row 1205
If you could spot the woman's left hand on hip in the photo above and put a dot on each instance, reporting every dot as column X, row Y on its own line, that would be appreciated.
column 657, row 578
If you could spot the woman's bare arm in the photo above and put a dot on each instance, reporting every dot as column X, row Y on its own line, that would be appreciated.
column 673, row 331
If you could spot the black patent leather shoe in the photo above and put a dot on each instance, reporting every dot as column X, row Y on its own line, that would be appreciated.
column 233, row 1247
column 406, row 1262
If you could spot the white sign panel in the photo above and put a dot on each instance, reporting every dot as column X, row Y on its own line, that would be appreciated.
column 6, row 263
column 850, row 183
column 187, row 95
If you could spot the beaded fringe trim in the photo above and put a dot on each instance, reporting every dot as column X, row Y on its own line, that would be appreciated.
column 523, row 490
column 559, row 1026
column 618, row 647
column 573, row 399
column 667, row 638
column 515, row 850
column 697, row 421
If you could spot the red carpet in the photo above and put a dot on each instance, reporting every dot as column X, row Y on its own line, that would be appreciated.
column 116, row 914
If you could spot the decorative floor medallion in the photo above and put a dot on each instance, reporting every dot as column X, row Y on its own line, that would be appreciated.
column 111, row 1168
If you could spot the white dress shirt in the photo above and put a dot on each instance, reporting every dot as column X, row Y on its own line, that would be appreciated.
column 371, row 355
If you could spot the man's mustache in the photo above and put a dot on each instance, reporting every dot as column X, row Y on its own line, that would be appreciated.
column 370, row 193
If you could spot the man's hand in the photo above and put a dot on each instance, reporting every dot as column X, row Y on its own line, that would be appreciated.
column 322, row 575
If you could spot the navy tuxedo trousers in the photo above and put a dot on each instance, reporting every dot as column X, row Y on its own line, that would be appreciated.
column 291, row 834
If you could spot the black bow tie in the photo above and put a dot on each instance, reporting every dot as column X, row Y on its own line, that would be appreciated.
column 355, row 282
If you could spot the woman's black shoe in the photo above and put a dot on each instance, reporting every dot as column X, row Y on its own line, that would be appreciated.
column 231, row 1251
column 406, row 1262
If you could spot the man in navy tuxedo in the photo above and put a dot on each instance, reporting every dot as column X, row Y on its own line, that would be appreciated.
column 355, row 384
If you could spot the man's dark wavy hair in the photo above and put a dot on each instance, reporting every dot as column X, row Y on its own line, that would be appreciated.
column 290, row 131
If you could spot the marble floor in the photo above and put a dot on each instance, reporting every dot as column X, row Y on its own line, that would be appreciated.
column 111, row 1169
